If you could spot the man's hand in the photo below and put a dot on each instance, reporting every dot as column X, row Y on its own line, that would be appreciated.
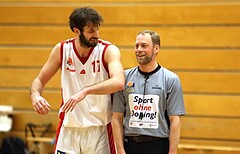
column 73, row 100
column 40, row 105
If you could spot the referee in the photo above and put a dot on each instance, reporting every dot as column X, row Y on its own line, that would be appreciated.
column 147, row 112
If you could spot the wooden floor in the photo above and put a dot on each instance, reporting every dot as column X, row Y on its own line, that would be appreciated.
column 200, row 42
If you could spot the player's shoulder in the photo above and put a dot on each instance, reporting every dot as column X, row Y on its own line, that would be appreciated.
column 104, row 42
column 68, row 41
column 109, row 45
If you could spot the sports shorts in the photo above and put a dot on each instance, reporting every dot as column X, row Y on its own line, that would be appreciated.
column 91, row 140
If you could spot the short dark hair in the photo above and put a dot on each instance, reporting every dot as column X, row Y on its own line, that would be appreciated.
column 154, row 36
column 80, row 17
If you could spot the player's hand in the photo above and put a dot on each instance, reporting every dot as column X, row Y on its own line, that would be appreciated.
column 40, row 105
column 73, row 100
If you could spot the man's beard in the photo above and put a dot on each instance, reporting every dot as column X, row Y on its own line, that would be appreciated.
column 144, row 60
column 85, row 43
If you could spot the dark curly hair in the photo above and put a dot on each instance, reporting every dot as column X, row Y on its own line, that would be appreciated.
column 80, row 17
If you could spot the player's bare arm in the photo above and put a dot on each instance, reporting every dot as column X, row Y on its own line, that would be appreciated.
column 49, row 69
column 116, row 72
column 113, row 84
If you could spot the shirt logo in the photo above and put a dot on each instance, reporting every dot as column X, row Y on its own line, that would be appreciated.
column 70, row 61
column 157, row 87
column 70, row 64
column 83, row 71
column 130, row 86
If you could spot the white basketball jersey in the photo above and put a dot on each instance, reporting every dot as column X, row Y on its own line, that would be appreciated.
column 78, row 72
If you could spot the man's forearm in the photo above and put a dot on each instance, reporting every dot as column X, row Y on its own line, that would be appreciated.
column 118, row 134
column 174, row 135
column 105, row 87
column 36, row 87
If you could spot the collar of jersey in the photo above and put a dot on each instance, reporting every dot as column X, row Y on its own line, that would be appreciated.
column 147, row 74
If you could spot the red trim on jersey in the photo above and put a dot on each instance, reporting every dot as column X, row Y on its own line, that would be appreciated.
column 61, row 117
column 103, row 60
column 61, row 48
column 111, row 139
column 61, row 53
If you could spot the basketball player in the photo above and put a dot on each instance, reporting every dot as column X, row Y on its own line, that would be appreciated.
column 147, row 112
column 90, row 71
